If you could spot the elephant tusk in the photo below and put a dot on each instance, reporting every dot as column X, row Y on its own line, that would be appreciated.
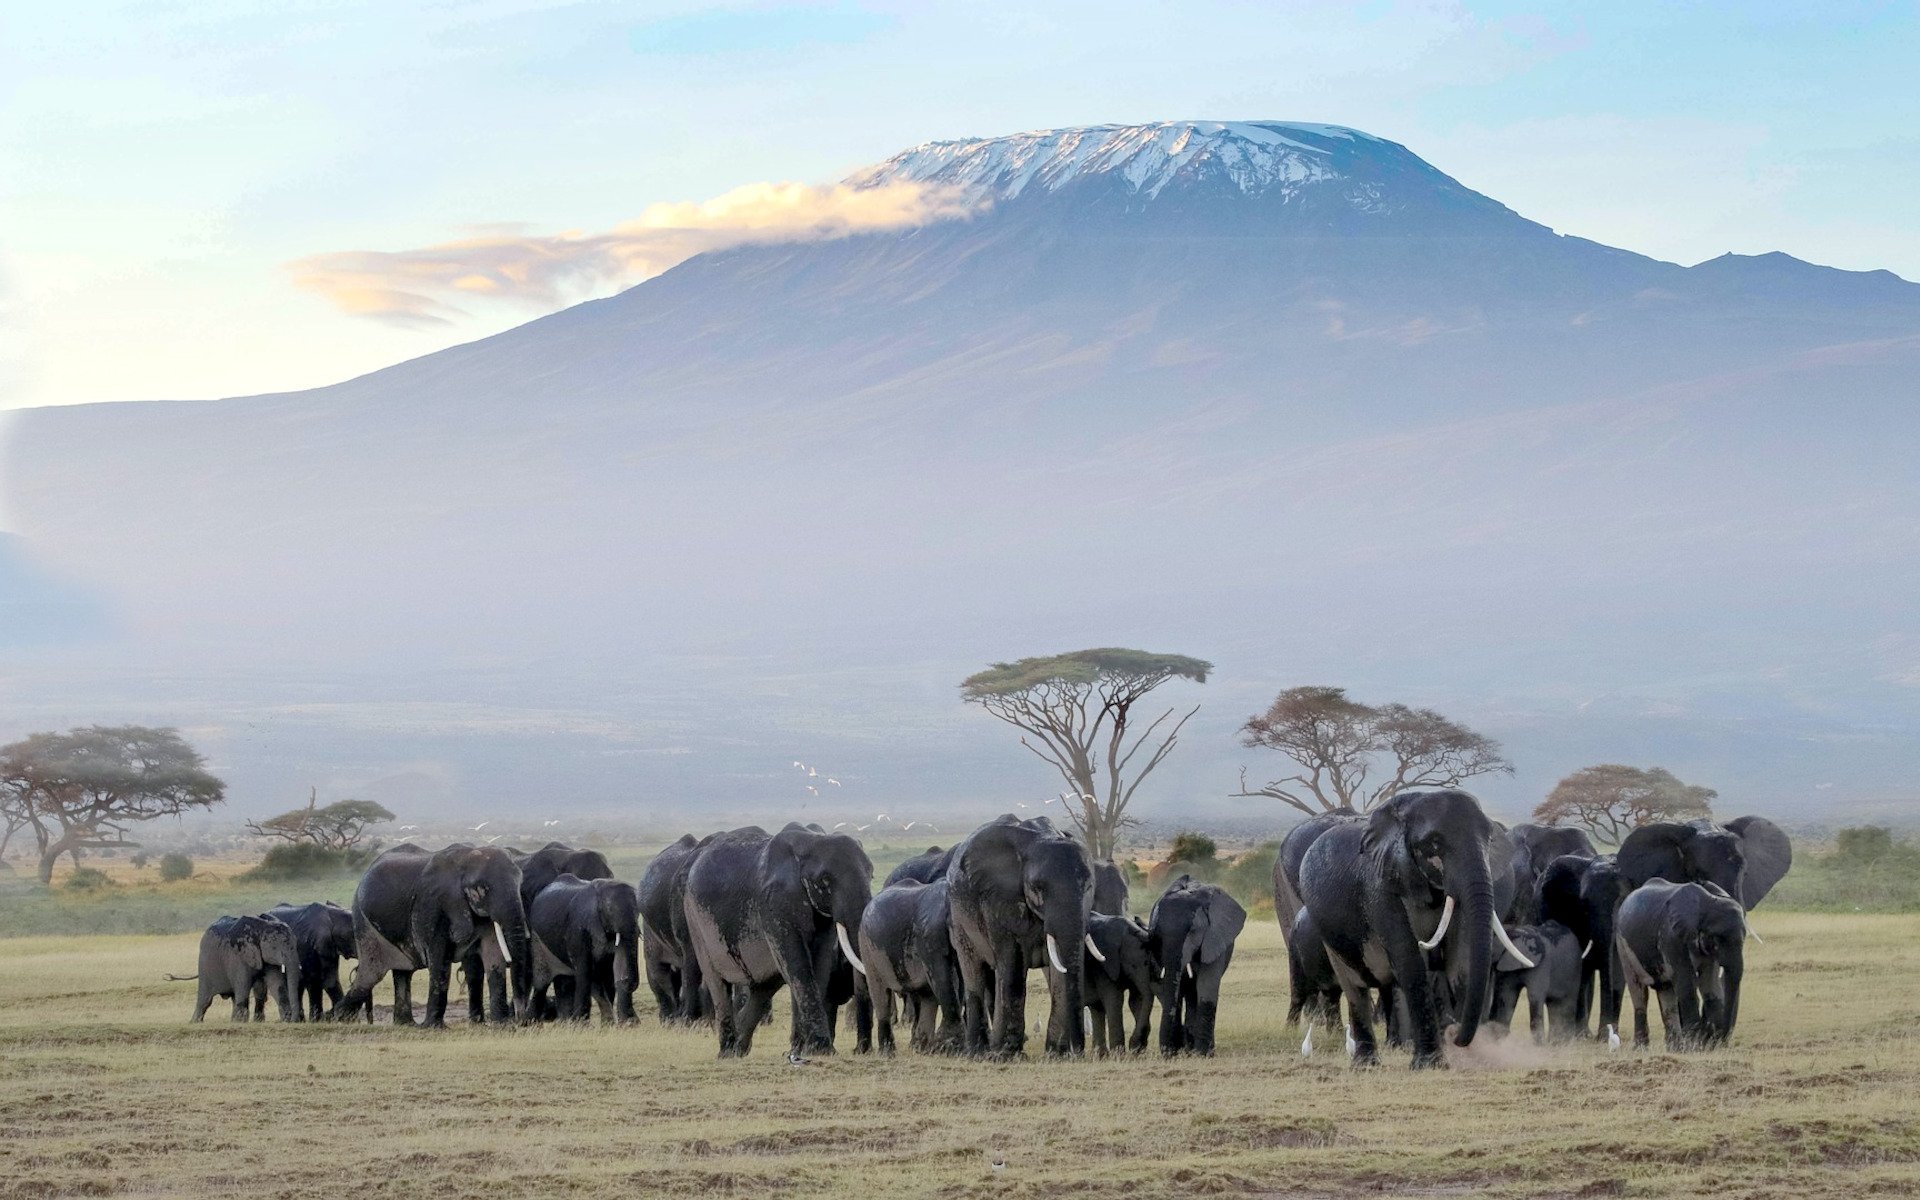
column 1586, row 950
column 1750, row 931
column 1053, row 953
column 1094, row 950
column 846, row 948
column 501, row 937
column 1500, row 931
column 616, row 937
column 1189, row 970
column 1446, row 919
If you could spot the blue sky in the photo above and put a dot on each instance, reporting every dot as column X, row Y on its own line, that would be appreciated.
column 162, row 163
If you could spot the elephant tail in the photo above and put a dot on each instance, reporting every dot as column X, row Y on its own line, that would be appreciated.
column 181, row 978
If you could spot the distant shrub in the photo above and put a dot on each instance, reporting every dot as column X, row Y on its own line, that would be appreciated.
column 86, row 879
column 1867, row 870
column 1191, row 847
column 305, row 860
column 139, row 860
column 1249, row 877
column 175, row 867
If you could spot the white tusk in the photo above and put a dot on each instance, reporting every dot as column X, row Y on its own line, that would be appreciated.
column 1586, row 950
column 500, row 937
column 846, row 948
column 1189, row 970
column 616, row 937
column 1053, row 952
column 1446, row 918
column 1500, row 931
column 1094, row 950
column 1750, row 932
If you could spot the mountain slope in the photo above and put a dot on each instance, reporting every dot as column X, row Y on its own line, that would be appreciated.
column 1283, row 396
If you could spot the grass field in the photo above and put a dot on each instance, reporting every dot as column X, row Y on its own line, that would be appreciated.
column 108, row 1091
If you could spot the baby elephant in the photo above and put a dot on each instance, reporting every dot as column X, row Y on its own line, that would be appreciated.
column 1190, row 934
column 1552, row 984
column 1685, row 941
column 323, row 933
column 1121, row 976
column 238, row 952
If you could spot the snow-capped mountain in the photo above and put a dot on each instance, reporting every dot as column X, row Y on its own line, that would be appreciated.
column 1283, row 396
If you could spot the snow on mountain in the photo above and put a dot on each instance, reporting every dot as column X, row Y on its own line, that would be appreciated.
column 1256, row 157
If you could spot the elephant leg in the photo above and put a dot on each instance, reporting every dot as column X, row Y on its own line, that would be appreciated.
column 1536, row 1012
column 439, row 982
column 1208, row 987
column 805, row 968
column 1673, row 1025
column 1393, row 1005
column 1141, row 1002
column 1639, row 994
column 259, row 993
column 242, row 985
column 1007, row 1035
column 882, row 1019
column 403, row 997
column 1360, row 1017
column 726, row 1016
column 973, row 992
column 205, row 999
column 755, row 999
column 1173, row 1029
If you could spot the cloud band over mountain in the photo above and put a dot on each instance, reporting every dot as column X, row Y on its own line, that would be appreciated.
column 424, row 286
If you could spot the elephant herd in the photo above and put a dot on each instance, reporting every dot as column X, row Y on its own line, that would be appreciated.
column 1424, row 911
column 1442, row 917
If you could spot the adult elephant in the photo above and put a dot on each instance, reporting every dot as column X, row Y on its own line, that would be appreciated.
column 1308, row 968
column 1584, row 894
column 766, row 911
column 925, row 867
column 1384, row 895
column 1190, row 934
column 906, row 945
column 323, row 934
column 1544, row 843
column 1686, row 942
column 672, row 974
column 588, row 930
column 1744, row 857
column 240, row 954
column 426, row 910
column 537, row 870
column 1020, row 893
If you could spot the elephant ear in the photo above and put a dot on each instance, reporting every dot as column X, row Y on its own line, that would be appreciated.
column 250, row 952
column 1530, row 942
column 1654, row 852
column 1225, row 920
column 1769, row 854
column 1385, row 823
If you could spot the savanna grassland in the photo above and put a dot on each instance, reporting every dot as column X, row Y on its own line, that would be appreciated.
column 106, row 1090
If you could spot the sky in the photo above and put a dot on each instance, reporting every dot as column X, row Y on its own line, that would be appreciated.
column 187, row 186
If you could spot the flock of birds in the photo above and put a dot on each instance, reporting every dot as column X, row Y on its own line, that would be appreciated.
column 880, row 820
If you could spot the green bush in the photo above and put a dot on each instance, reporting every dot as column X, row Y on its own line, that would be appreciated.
column 1249, row 877
column 1867, row 870
column 86, row 879
column 1195, row 848
column 304, row 860
column 175, row 867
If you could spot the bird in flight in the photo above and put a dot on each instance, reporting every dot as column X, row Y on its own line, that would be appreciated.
column 834, row 782
column 481, row 825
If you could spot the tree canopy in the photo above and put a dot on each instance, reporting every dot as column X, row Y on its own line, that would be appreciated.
column 1350, row 755
column 1075, row 711
column 1612, row 800
column 337, row 826
column 82, row 789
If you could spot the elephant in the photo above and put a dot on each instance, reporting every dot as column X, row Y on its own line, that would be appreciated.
column 426, row 910
column 588, row 930
column 1535, row 847
column 1308, row 968
column 1121, row 976
column 925, row 867
column 1584, row 895
column 1315, row 992
column 1552, row 984
column 906, row 945
column 239, row 953
column 766, row 911
column 672, row 974
column 1744, row 857
column 323, row 932
column 1190, row 935
column 1384, row 893
column 1686, row 941
column 1109, row 889
column 1020, row 893
column 537, row 870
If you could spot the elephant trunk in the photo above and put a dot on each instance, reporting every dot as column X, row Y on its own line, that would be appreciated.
column 1066, row 932
column 1730, row 994
column 1477, row 890
column 516, row 944
column 296, row 999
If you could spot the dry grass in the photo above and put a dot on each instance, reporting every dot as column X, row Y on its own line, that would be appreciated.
column 106, row 1090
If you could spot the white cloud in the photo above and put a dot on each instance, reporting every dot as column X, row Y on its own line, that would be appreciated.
column 425, row 286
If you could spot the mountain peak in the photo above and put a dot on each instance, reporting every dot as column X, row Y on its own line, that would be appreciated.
column 1260, row 177
column 1255, row 157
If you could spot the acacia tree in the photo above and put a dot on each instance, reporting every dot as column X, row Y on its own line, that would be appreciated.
column 82, row 789
column 1350, row 756
column 1075, row 711
column 1612, row 800
column 339, row 826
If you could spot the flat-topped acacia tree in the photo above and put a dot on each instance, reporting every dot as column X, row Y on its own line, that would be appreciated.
column 1075, row 711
